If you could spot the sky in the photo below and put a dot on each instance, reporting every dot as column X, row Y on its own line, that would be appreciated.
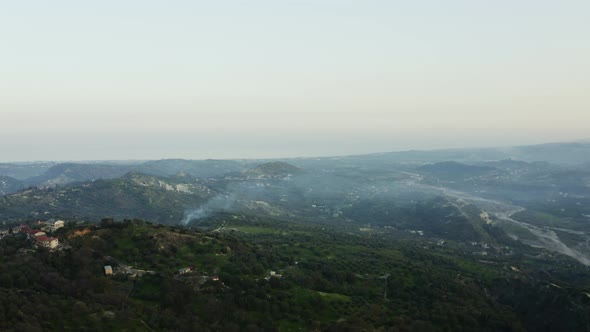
column 125, row 79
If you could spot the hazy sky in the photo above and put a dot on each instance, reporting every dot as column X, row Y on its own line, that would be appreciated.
column 219, row 79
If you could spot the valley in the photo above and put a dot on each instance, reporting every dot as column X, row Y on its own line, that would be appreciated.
column 373, row 241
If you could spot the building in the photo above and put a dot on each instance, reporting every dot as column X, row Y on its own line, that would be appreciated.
column 55, row 224
column 31, row 233
column 52, row 225
column 185, row 270
column 47, row 242
column 108, row 270
column 37, row 233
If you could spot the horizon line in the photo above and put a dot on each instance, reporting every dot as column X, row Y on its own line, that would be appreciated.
column 582, row 140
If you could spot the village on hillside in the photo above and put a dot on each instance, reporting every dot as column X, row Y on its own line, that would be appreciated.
column 39, row 234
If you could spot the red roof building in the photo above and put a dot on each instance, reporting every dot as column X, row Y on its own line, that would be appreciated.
column 48, row 242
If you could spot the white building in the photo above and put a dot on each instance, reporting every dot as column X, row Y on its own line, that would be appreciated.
column 55, row 224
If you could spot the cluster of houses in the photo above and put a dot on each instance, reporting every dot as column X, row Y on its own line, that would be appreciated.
column 188, row 275
column 192, row 276
column 127, row 271
column 39, row 236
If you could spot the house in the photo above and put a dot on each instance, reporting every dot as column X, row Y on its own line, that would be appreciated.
column 52, row 225
column 31, row 233
column 55, row 224
column 47, row 242
column 108, row 270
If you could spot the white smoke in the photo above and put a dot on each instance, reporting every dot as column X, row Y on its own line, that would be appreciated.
column 218, row 203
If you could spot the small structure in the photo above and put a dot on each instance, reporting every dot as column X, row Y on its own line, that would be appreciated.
column 185, row 270
column 108, row 270
column 38, row 233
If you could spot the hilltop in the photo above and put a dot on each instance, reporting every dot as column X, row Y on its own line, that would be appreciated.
column 158, row 199
column 273, row 169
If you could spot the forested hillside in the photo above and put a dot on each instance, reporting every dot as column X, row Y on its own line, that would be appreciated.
column 257, row 274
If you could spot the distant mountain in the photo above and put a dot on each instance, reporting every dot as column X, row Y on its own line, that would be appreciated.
column 556, row 153
column 153, row 198
column 9, row 185
column 507, row 164
column 23, row 171
column 62, row 174
column 66, row 173
column 455, row 169
column 197, row 168
column 275, row 168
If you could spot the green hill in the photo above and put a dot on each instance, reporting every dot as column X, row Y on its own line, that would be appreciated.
column 9, row 185
column 152, row 198
column 273, row 169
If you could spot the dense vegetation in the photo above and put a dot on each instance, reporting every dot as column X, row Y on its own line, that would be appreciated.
column 331, row 280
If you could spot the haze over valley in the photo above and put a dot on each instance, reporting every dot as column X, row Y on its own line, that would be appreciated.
column 279, row 165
